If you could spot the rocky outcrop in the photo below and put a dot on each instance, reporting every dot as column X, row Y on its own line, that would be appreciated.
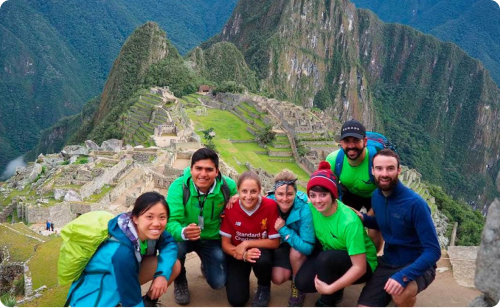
column 487, row 277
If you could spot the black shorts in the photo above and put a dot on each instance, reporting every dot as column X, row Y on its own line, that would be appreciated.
column 281, row 256
column 374, row 295
column 355, row 201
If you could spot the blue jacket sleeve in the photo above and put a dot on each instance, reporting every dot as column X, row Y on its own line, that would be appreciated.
column 305, row 239
column 126, row 271
column 167, row 255
column 427, row 234
column 370, row 222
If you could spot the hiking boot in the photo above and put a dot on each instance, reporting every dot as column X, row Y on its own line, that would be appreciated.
column 262, row 296
column 181, row 292
column 296, row 298
column 151, row 303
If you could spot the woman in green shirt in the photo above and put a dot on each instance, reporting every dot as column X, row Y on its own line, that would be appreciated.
column 347, row 255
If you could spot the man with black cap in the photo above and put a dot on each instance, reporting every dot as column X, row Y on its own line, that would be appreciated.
column 351, row 165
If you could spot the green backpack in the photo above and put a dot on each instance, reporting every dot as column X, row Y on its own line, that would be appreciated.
column 81, row 238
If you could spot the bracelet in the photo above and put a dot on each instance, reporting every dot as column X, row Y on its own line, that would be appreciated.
column 245, row 256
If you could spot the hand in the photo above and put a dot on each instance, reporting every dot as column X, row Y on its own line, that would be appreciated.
column 357, row 213
column 279, row 223
column 232, row 201
column 322, row 287
column 240, row 250
column 192, row 232
column 252, row 255
column 158, row 287
column 393, row 287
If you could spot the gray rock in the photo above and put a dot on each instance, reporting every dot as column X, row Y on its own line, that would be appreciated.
column 37, row 169
column 73, row 159
column 481, row 301
column 488, row 258
column 73, row 150
column 59, row 193
column 128, row 147
column 112, row 145
column 64, row 154
column 91, row 145
column 72, row 195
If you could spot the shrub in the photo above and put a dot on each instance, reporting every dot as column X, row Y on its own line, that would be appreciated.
column 8, row 300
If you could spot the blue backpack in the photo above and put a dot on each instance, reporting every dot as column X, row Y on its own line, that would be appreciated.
column 375, row 143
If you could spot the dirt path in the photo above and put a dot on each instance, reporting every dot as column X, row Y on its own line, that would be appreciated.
column 443, row 292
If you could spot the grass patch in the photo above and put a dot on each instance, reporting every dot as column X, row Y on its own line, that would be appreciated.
column 250, row 108
column 13, row 194
column 43, row 265
column 21, row 248
column 97, row 197
column 55, row 297
column 231, row 127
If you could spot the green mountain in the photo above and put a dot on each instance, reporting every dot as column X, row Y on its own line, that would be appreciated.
column 474, row 25
column 56, row 55
column 439, row 105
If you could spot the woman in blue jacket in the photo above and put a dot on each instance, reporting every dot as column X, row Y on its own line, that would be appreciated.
column 129, row 258
column 296, row 229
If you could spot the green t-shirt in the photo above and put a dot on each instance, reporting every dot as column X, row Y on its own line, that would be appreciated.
column 344, row 231
column 355, row 179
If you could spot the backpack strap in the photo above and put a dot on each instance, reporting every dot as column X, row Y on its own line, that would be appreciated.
column 339, row 162
column 371, row 152
column 186, row 192
column 226, row 193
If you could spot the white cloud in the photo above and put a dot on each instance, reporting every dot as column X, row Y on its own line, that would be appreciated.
column 12, row 165
column 1, row 2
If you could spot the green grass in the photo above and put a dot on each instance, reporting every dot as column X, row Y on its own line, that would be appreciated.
column 12, row 194
column 21, row 227
column 278, row 149
column 193, row 99
column 258, row 124
column 43, row 265
column 97, row 197
column 21, row 248
column 231, row 127
column 55, row 297
column 250, row 108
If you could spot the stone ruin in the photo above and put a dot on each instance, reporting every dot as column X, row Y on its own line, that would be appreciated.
column 487, row 278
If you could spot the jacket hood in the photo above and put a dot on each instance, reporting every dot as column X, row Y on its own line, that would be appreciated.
column 116, row 232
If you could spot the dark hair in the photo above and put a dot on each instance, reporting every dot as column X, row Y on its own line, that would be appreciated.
column 249, row 175
column 146, row 201
column 387, row 152
column 321, row 189
column 205, row 153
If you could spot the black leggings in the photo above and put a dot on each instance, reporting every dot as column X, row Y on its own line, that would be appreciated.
column 329, row 265
column 238, row 276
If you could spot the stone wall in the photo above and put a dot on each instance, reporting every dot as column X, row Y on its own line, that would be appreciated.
column 282, row 160
column 280, row 153
column 251, row 131
column 241, row 141
column 106, row 178
column 185, row 145
column 6, row 212
column 487, row 277
column 8, row 273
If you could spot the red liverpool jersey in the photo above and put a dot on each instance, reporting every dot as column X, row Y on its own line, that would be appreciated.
column 241, row 225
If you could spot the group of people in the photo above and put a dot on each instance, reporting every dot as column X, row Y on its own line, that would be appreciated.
column 316, row 239
column 49, row 225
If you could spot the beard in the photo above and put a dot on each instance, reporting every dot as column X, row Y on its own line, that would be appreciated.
column 358, row 153
column 386, row 186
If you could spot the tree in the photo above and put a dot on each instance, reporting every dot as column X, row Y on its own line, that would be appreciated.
column 265, row 135
column 209, row 134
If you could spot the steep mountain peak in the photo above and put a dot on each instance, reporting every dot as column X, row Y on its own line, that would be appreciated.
column 147, row 45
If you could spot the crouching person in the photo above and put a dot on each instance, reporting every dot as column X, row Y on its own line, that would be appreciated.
column 348, row 255
column 297, row 233
column 411, row 250
column 139, row 250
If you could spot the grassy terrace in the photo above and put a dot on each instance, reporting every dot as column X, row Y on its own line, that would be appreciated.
column 258, row 124
column 21, row 248
column 250, row 108
column 237, row 154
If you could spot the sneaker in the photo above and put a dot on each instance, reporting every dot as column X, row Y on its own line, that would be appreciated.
column 181, row 292
column 262, row 296
column 296, row 298
column 319, row 303
column 337, row 300
column 148, row 302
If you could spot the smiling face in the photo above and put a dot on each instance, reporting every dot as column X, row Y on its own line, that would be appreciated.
column 353, row 147
column 249, row 191
column 386, row 171
column 322, row 201
column 151, row 224
column 284, row 197
column 203, row 174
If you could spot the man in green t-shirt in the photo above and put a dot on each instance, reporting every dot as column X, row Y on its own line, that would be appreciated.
column 355, row 184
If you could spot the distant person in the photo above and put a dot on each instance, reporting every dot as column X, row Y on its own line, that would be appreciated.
column 355, row 185
column 196, row 201
column 249, row 237
column 47, row 225
column 411, row 249
column 52, row 226
column 346, row 256
column 140, row 250
column 297, row 233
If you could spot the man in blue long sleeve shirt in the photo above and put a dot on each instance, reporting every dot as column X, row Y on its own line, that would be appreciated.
column 411, row 245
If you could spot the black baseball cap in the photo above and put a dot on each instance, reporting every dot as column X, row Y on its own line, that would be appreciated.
column 353, row 128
